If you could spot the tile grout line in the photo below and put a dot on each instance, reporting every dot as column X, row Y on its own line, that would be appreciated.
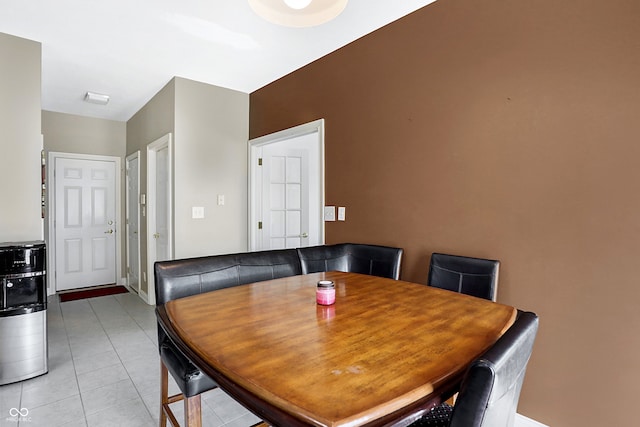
column 134, row 319
column 142, row 329
column 124, row 366
column 88, row 302
column 73, row 363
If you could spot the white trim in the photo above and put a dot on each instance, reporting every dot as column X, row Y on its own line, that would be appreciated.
column 135, row 155
column 144, row 295
column 162, row 142
column 522, row 421
column 255, row 145
column 50, row 209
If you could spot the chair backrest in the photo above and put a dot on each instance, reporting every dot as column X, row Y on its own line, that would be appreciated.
column 382, row 261
column 471, row 276
column 491, row 388
column 185, row 277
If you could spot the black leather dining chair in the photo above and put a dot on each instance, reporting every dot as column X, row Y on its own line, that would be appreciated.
column 190, row 380
column 375, row 260
column 490, row 390
column 471, row 276
column 181, row 278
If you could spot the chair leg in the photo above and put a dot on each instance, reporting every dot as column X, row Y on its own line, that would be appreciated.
column 192, row 405
column 164, row 393
column 193, row 411
column 165, row 400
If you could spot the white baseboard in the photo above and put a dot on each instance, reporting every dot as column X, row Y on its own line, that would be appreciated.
column 145, row 297
column 522, row 421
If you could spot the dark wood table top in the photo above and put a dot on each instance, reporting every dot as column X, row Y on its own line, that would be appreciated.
column 383, row 351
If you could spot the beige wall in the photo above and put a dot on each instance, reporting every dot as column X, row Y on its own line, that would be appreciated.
column 153, row 121
column 506, row 130
column 68, row 133
column 21, row 141
column 212, row 130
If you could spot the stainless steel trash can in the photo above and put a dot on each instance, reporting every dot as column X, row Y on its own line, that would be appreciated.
column 23, row 311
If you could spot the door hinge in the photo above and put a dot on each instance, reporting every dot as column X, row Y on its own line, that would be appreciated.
column 259, row 225
column 260, row 161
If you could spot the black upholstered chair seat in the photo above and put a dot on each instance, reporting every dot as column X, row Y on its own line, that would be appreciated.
column 187, row 376
column 437, row 417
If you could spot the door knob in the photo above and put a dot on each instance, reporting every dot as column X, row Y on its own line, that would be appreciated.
column 156, row 235
column 304, row 235
column 108, row 231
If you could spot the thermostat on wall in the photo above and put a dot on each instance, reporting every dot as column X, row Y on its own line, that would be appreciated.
column 329, row 213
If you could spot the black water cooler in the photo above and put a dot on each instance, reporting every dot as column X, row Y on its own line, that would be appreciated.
column 23, row 311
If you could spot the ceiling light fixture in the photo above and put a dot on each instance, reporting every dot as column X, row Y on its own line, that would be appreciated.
column 297, row 4
column 96, row 98
column 298, row 13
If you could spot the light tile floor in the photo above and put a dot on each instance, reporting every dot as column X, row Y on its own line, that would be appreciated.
column 104, row 371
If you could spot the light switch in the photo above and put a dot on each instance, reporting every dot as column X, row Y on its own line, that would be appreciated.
column 329, row 213
column 220, row 199
column 197, row 212
column 342, row 212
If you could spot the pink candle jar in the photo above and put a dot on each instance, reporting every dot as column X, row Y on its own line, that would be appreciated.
column 325, row 292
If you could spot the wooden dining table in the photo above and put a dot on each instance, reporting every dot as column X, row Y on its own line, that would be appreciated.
column 384, row 353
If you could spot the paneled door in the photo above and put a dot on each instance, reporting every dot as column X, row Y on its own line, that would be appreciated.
column 285, row 198
column 160, row 207
column 133, row 221
column 85, row 223
column 286, row 192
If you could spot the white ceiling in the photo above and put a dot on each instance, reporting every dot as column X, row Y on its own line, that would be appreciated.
column 131, row 49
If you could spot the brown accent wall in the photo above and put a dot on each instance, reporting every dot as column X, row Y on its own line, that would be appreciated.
column 506, row 130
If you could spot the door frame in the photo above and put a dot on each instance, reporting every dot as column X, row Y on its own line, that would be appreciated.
column 254, row 146
column 135, row 155
column 51, row 209
column 152, row 149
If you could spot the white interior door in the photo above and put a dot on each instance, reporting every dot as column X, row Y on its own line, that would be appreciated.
column 160, row 207
column 133, row 222
column 287, row 188
column 285, row 197
column 85, row 223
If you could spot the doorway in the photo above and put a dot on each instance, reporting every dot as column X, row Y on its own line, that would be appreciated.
column 83, row 224
column 133, row 221
column 159, row 207
column 286, row 192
